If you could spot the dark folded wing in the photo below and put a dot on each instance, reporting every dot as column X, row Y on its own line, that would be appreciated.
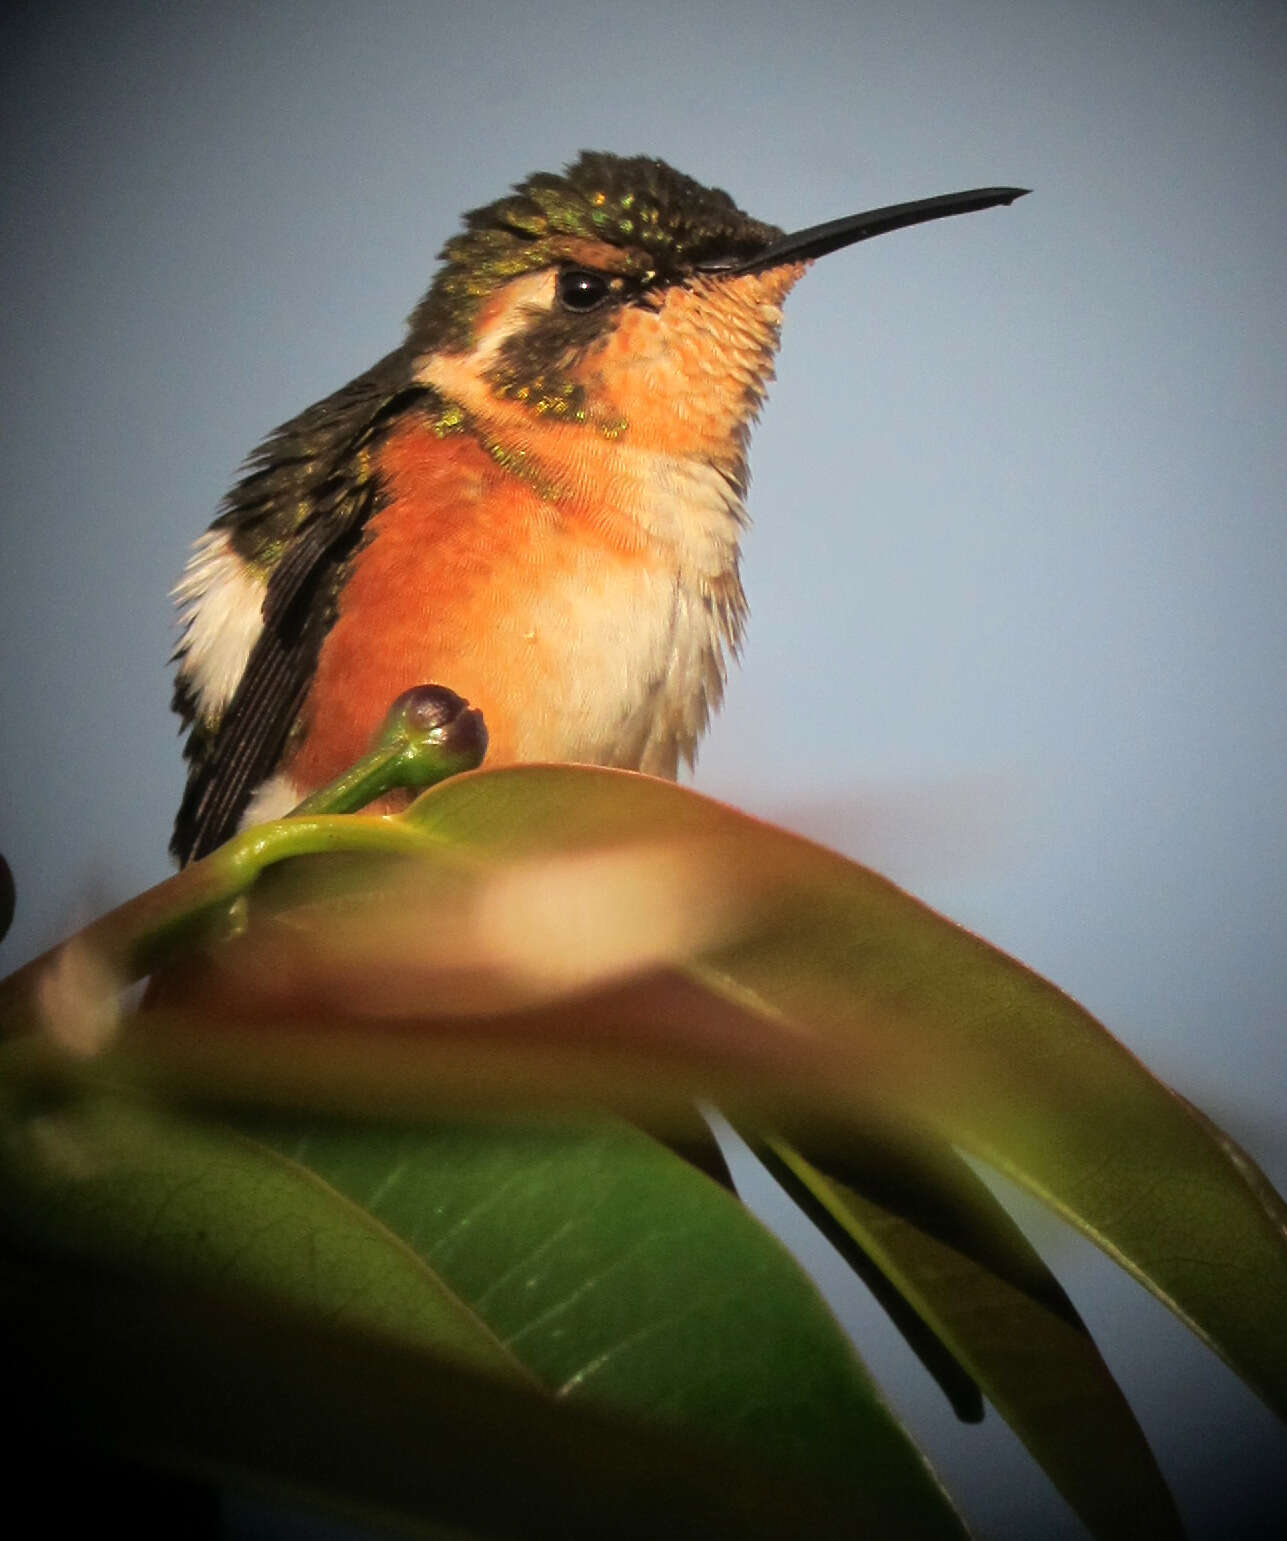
column 301, row 511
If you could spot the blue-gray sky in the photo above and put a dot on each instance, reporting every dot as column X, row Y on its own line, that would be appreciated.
column 1017, row 576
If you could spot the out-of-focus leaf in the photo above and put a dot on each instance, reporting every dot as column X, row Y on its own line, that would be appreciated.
column 926, row 1021
column 695, row 1143
column 823, row 989
column 620, row 1277
column 323, row 1412
column 200, row 903
column 948, row 1252
column 456, row 932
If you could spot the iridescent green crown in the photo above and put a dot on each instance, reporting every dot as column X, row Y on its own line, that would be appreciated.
column 662, row 220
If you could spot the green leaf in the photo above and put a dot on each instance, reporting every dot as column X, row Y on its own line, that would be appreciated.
column 589, row 1262
column 199, row 904
column 620, row 1277
column 195, row 1204
column 882, row 1219
column 948, row 1252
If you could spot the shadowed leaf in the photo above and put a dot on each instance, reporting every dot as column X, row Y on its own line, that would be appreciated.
column 950, row 1255
column 877, row 1222
column 191, row 1203
column 590, row 1262
column 194, row 1381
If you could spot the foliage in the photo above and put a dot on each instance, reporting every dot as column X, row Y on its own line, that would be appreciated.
column 394, row 1186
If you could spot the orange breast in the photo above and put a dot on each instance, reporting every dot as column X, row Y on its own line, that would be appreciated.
column 470, row 579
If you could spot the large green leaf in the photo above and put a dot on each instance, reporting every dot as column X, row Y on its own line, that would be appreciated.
column 816, row 986
column 589, row 1261
column 565, row 935
column 620, row 1277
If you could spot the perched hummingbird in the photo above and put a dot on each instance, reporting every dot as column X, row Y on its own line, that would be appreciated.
column 536, row 500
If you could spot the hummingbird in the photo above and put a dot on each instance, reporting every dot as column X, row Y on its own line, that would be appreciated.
column 537, row 500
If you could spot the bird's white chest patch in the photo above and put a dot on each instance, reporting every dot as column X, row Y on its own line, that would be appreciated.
column 649, row 639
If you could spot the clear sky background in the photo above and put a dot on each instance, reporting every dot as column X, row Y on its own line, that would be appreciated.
column 1017, row 573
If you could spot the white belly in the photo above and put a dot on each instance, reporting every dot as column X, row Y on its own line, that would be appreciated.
column 629, row 666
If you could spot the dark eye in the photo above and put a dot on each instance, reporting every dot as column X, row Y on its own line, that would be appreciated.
column 580, row 291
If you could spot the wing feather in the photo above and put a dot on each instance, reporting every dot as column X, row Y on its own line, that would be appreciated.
column 299, row 514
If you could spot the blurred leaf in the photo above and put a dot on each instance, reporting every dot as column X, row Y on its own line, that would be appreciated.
column 821, row 990
column 927, row 1022
column 199, row 905
column 946, row 1250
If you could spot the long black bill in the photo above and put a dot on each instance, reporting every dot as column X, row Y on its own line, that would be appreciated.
column 818, row 240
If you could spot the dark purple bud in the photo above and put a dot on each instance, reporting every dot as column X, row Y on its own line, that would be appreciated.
column 438, row 732
column 425, row 708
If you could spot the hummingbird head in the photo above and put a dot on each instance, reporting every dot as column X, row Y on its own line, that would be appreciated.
column 624, row 300
column 597, row 299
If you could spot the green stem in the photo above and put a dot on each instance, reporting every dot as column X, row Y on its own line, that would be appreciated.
column 365, row 780
column 429, row 733
column 132, row 939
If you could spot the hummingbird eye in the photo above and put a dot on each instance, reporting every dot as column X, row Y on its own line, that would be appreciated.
column 580, row 291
